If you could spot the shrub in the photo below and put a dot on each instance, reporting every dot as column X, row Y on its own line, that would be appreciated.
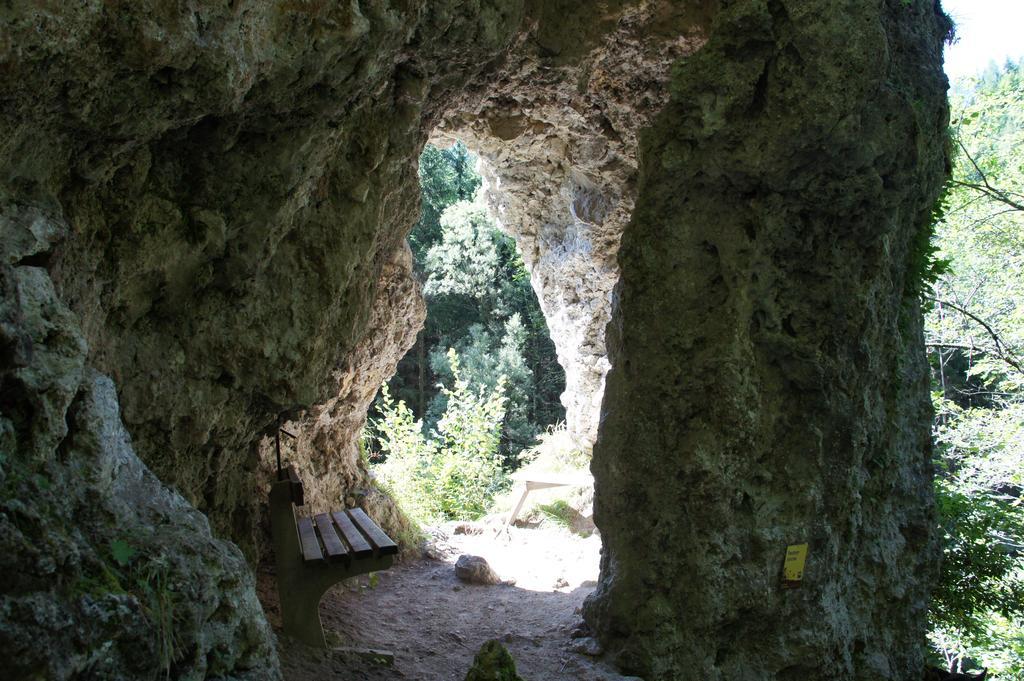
column 555, row 452
column 454, row 473
column 978, row 606
column 408, row 458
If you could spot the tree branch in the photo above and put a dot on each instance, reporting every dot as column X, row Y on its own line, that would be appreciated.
column 985, row 187
column 1001, row 350
column 955, row 346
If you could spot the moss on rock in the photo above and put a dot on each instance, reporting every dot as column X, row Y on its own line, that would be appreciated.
column 493, row 662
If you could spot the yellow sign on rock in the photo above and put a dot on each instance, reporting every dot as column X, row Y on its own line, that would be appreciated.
column 793, row 568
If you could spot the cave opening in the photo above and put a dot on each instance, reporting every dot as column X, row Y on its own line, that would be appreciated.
column 480, row 305
column 221, row 199
column 473, row 420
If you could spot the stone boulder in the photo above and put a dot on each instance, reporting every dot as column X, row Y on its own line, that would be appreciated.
column 475, row 570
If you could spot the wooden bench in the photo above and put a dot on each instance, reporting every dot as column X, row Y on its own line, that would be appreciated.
column 313, row 554
column 532, row 480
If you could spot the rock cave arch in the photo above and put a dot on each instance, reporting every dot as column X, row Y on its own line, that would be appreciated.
column 204, row 211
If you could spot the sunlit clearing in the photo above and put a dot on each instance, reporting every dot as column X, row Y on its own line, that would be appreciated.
column 536, row 559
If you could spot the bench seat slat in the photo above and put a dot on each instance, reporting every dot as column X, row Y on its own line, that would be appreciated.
column 311, row 552
column 381, row 542
column 336, row 551
column 360, row 547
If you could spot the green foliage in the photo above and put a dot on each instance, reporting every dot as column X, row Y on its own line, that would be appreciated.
column 455, row 473
column 980, row 311
column 408, row 457
column 397, row 430
column 982, row 455
column 153, row 584
column 486, row 358
column 978, row 607
column 927, row 265
column 485, row 308
column 148, row 579
column 406, row 532
column 122, row 552
column 446, row 177
column 558, row 511
column 479, row 302
column 975, row 332
column 469, row 432
column 97, row 585
column 981, row 571
column 465, row 259
column 555, row 452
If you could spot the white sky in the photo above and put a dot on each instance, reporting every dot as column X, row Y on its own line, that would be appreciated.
column 987, row 30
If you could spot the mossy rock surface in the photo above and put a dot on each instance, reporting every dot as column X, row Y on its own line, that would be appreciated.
column 493, row 663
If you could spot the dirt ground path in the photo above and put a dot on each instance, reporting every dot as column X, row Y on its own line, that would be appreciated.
column 434, row 624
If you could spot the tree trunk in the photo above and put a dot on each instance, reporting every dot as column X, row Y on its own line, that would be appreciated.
column 421, row 373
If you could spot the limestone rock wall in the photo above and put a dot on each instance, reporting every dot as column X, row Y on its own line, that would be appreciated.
column 325, row 450
column 557, row 134
column 768, row 383
column 224, row 190
column 107, row 573
column 237, row 177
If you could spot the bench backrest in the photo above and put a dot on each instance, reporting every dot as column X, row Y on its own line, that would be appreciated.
column 294, row 485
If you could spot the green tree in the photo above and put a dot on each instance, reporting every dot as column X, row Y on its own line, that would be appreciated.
column 455, row 473
column 975, row 336
column 447, row 176
column 978, row 607
column 485, row 359
column 464, row 261
column 978, row 307
column 479, row 302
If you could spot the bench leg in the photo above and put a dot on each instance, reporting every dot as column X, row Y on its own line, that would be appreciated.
column 300, row 618
column 519, row 506
column 300, row 615
column 299, row 599
column 300, row 594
